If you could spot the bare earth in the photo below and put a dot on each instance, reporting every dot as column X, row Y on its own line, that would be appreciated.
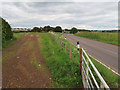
column 105, row 53
column 17, row 70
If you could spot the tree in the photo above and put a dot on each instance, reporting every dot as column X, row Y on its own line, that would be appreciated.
column 36, row 29
column 7, row 33
column 47, row 28
column 57, row 29
column 73, row 30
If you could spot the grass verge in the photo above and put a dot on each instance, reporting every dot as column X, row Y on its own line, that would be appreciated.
column 111, row 78
column 65, row 72
column 107, row 37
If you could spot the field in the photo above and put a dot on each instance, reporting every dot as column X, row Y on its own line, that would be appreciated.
column 41, row 58
column 107, row 37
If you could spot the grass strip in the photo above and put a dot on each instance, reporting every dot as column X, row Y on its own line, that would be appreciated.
column 66, row 72
column 107, row 37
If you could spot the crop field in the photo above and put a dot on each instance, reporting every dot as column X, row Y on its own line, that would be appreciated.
column 107, row 37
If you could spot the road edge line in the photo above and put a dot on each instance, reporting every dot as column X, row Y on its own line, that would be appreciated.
column 99, row 61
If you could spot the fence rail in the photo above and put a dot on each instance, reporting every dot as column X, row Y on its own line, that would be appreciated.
column 91, row 77
column 87, row 73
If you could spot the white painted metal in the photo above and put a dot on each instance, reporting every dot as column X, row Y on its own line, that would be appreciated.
column 86, row 69
column 91, row 74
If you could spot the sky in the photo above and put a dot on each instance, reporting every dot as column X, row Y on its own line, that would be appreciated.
column 82, row 15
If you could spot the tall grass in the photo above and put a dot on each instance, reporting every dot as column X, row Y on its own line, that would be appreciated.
column 66, row 72
column 107, row 37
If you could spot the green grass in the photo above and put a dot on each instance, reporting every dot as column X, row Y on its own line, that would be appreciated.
column 110, row 77
column 66, row 72
column 15, row 37
column 107, row 37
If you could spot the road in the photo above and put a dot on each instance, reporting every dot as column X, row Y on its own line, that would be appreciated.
column 105, row 53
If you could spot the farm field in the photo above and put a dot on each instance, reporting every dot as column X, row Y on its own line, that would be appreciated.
column 107, row 37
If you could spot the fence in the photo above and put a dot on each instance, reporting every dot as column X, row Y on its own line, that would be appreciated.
column 91, row 78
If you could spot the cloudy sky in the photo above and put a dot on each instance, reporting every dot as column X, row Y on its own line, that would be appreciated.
column 86, row 15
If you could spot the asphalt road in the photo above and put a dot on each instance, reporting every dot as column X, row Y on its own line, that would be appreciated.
column 105, row 53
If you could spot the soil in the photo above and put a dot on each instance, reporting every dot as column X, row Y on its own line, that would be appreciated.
column 17, row 70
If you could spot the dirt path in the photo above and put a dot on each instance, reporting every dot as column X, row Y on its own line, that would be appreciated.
column 23, row 64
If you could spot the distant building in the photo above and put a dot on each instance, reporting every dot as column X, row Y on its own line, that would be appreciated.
column 21, row 29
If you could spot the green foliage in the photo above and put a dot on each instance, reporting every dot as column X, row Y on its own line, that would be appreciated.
column 73, row 30
column 107, row 37
column 36, row 29
column 57, row 29
column 7, row 34
column 47, row 28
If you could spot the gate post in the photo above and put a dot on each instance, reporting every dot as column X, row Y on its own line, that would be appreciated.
column 80, row 55
column 80, row 59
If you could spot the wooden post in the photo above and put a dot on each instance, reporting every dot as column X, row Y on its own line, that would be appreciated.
column 65, row 48
column 70, row 51
column 80, row 58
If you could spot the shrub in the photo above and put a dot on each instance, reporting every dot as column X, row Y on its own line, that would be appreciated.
column 73, row 30
column 7, row 34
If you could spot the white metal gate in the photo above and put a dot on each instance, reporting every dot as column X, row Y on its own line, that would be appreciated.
column 88, row 78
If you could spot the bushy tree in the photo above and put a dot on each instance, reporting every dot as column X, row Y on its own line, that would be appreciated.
column 36, row 29
column 73, row 30
column 57, row 29
column 47, row 28
column 7, row 33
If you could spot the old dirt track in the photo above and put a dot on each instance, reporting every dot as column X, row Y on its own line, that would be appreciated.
column 105, row 53
column 18, row 72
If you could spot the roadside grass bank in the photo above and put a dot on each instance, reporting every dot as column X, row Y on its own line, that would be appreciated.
column 110, row 77
column 66, row 72
column 15, row 37
column 107, row 37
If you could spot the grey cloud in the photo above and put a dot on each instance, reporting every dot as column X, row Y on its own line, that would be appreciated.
column 29, row 14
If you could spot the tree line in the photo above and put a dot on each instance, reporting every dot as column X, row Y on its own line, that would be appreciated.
column 54, row 29
column 47, row 29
